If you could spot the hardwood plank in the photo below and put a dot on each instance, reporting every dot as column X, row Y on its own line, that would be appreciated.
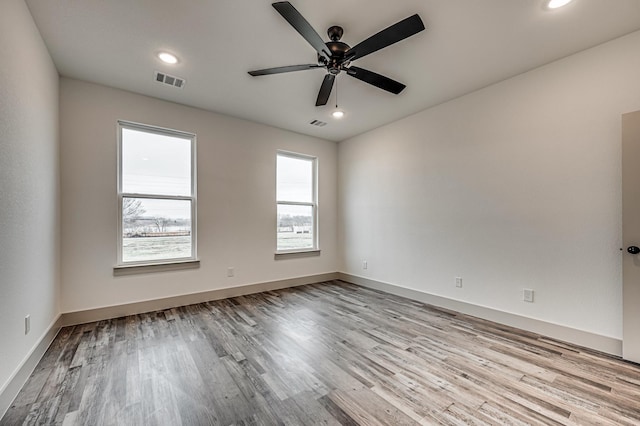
column 327, row 353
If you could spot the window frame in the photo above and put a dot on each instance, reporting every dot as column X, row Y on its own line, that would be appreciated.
column 122, row 124
column 313, row 203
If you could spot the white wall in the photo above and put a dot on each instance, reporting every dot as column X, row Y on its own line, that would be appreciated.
column 236, row 199
column 29, row 187
column 516, row 185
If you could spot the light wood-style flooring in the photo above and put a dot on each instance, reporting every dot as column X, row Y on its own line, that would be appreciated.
column 328, row 353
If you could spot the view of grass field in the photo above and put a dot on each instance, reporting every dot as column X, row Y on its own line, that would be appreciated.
column 293, row 241
column 155, row 248
column 141, row 249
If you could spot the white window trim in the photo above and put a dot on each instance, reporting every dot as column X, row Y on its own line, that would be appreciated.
column 122, row 124
column 313, row 204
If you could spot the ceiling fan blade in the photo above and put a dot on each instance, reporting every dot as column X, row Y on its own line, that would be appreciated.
column 280, row 70
column 380, row 81
column 301, row 25
column 325, row 89
column 393, row 34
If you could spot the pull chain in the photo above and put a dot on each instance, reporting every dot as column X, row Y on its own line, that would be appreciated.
column 337, row 113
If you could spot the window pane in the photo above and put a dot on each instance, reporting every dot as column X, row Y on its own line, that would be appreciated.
column 155, row 229
column 155, row 164
column 295, row 227
column 295, row 179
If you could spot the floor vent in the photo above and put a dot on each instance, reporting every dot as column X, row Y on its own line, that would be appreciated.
column 318, row 123
column 171, row 80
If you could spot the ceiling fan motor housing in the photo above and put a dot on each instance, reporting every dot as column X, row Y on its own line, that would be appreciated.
column 338, row 50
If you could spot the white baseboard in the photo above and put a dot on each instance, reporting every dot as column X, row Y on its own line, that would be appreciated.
column 17, row 380
column 582, row 338
column 98, row 314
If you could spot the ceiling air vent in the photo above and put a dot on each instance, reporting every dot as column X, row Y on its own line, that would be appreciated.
column 318, row 123
column 171, row 80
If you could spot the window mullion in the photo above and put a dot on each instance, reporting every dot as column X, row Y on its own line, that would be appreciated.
column 296, row 203
column 158, row 197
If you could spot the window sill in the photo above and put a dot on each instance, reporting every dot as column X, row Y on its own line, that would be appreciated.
column 155, row 267
column 295, row 254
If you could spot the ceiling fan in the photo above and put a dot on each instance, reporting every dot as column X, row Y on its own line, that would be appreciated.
column 337, row 56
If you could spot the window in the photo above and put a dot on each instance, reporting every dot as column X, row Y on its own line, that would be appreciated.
column 296, row 198
column 156, row 195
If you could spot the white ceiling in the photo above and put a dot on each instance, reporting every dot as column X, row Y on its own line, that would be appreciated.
column 468, row 44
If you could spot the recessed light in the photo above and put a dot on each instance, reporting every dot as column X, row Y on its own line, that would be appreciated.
column 167, row 58
column 554, row 4
column 337, row 114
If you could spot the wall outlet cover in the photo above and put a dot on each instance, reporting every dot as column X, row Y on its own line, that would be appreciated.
column 527, row 295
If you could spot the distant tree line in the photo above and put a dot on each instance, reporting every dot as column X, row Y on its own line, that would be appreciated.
column 288, row 220
column 134, row 221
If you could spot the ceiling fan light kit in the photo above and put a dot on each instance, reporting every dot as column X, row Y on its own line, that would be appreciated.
column 336, row 56
column 168, row 58
column 555, row 4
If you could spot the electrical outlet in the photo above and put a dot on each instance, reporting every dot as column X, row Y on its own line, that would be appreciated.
column 527, row 295
column 459, row 282
column 230, row 271
column 365, row 265
column 27, row 324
